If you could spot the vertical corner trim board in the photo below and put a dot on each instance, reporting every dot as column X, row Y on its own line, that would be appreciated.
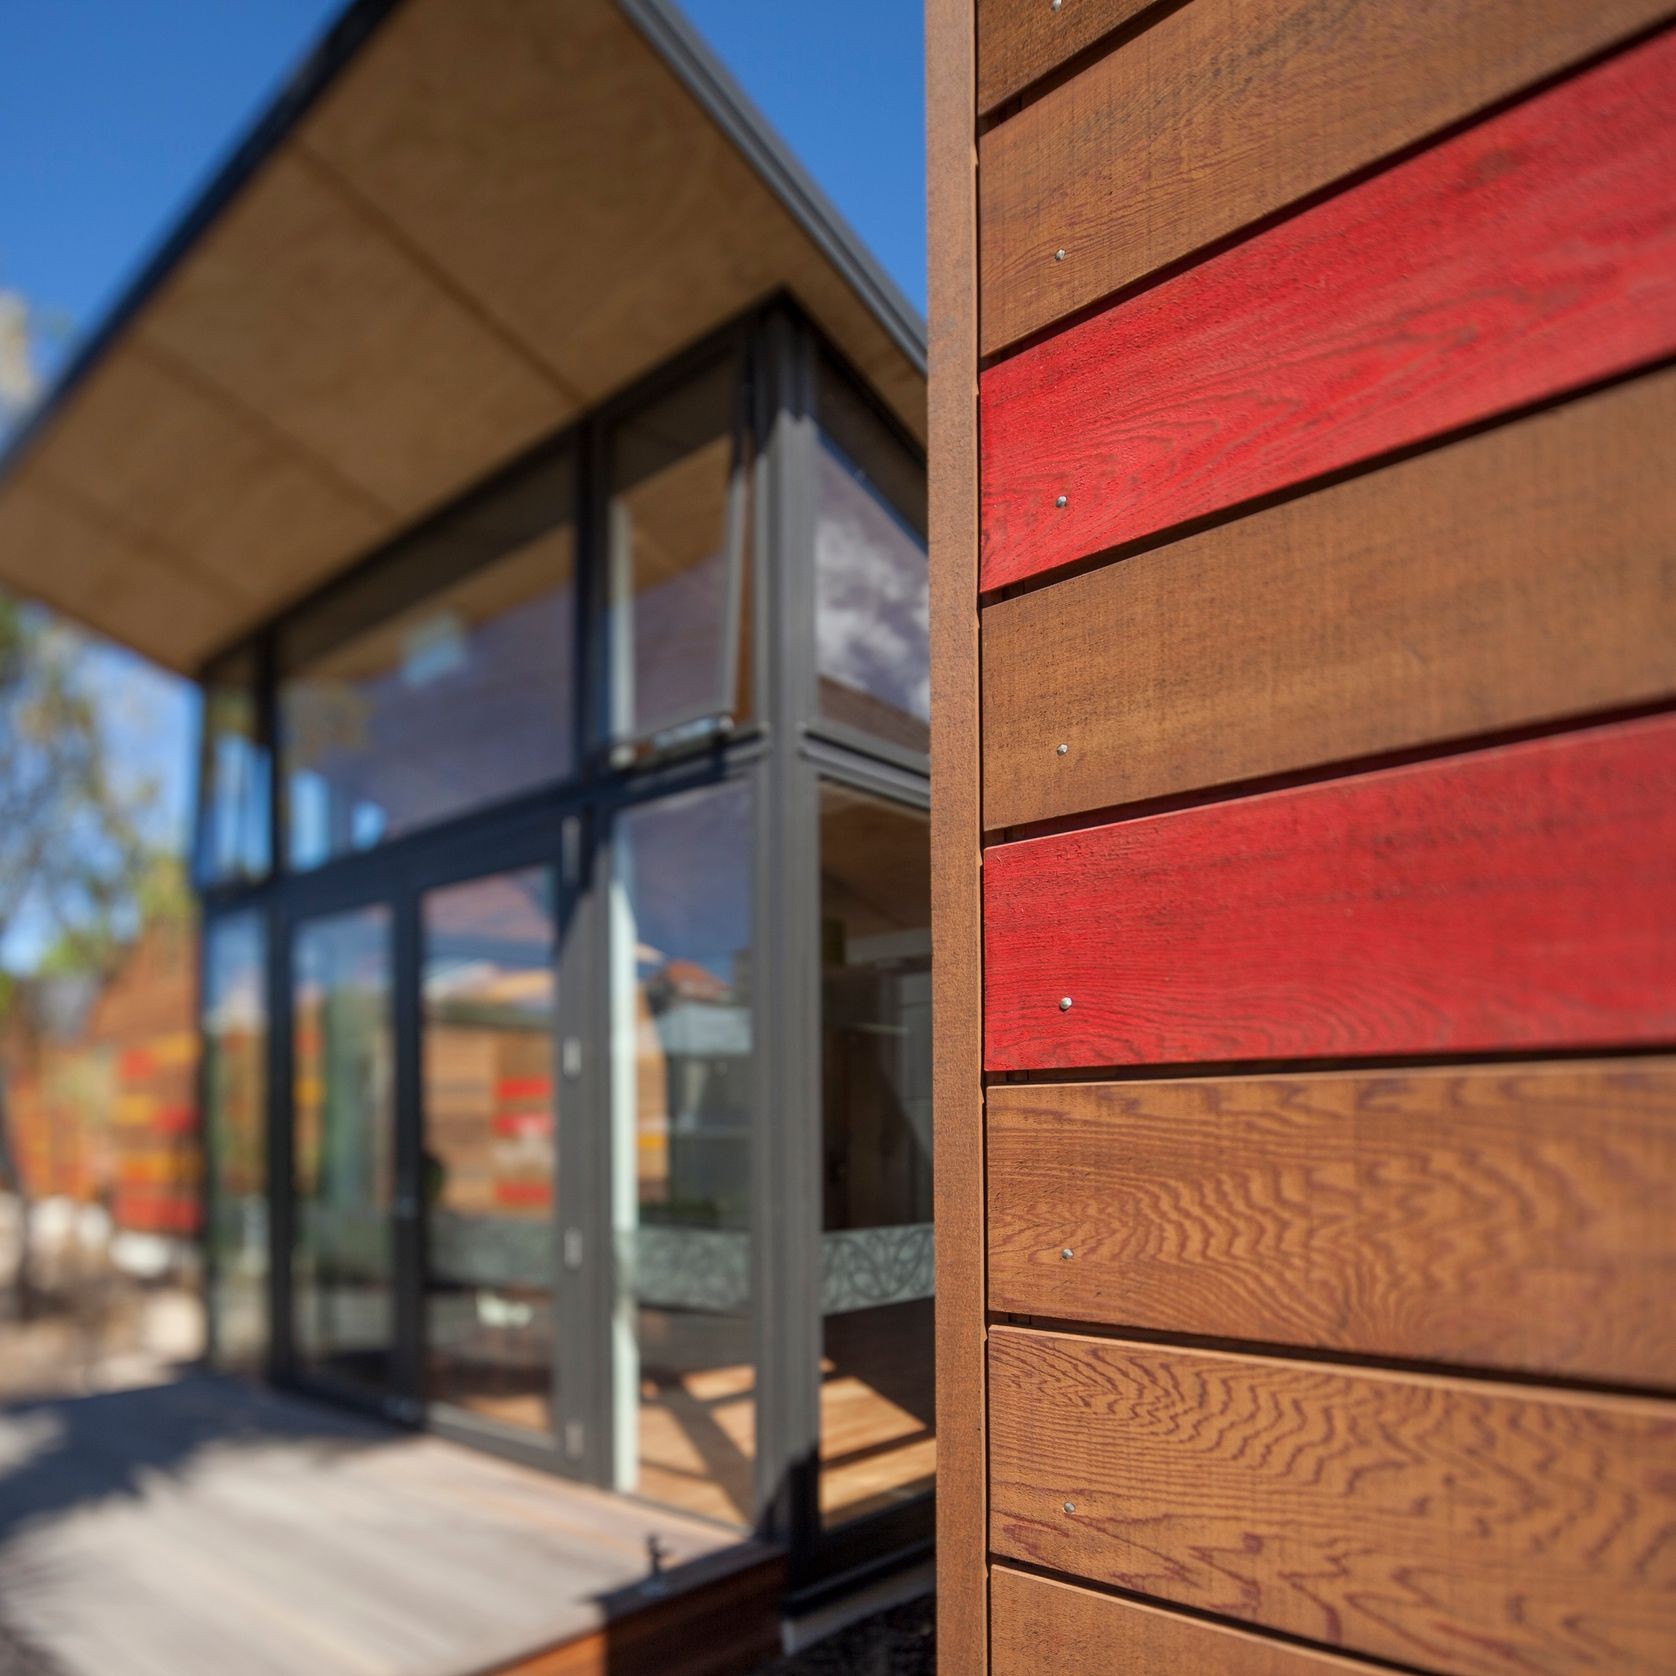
column 1450, row 1524
column 1515, row 1216
column 1530, row 254
column 956, row 837
column 1520, row 897
column 1220, row 114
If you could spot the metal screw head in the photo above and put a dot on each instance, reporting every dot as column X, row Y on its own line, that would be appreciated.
column 1061, row 750
column 1059, row 500
column 1054, row 5
column 1066, row 1254
column 1070, row 1507
column 1064, row 1003
column 1059, row 255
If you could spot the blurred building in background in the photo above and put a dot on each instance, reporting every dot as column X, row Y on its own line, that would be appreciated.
column 529, row 465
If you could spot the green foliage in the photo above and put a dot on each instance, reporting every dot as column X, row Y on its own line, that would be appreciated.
column 72, row 850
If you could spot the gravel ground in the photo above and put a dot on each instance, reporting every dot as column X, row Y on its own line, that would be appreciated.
column 900, row 1642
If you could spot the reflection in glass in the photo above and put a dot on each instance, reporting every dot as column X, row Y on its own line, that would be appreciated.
column 490, row 1146
column 677, row 572
column 681, row 1112
column 878, row 1445
column 872, row 584
column 343, row 1158
column 235, row 1013
column 461, row 700
column 233, row 795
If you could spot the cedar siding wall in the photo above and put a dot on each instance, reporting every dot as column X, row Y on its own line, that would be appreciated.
column 1304, row 616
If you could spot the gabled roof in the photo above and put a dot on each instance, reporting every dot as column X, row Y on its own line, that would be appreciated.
column 467, row 222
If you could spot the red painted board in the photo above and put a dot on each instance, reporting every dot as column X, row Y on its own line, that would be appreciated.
column 1522, row 897
column 1529, row 255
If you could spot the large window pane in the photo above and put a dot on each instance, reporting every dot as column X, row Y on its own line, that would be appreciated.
column 490, row 1147
column 235, row 1130
column 398, row 711
column 878, row 1445
column 872, row 585
column 681, row 1074
column 343, row 1160
column 234, row 784
column 678, row 577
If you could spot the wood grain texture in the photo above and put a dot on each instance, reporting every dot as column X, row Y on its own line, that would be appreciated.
column 1514, row 1216
column 1514, row 577
column 1450, row 1525
column 956, row 837
column 1530, row 254
column 1216, row 117
column 1020, row 41
column 1095, row 1635
column 1515, row 898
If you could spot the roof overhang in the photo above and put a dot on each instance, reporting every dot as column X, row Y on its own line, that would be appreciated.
column 467, row 222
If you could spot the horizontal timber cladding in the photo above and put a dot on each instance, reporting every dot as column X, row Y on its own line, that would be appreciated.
column 1509, row 1216
column 1448, row 1524
column 1530, row 254
column 1020, row 41
column 1096, row 1635
column 1513, row 577
column 1221, row 113
column 1516, row 898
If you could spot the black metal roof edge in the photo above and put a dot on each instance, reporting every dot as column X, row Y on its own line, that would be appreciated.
column 703, row 74
column 329, row 55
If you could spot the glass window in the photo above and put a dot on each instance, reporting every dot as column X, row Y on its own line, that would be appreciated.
column 490, row 1147
column 235, row 1131
column 681, row 1117
column 678, row 578
column 233, row 789
column 872, row 582
column 878, row 1443
column 398, row 709
column 343, row 1158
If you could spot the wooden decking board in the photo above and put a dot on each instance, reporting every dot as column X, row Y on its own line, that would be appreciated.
column 212, row 1526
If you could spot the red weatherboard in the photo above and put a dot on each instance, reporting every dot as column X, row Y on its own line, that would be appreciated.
column 1529, row 255
column 1516, row 898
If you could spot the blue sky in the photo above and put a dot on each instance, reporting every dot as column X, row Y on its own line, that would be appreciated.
column 115, row 113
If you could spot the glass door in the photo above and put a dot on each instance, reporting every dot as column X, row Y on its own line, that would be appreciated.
column 343, row 1152
column 490, row 1150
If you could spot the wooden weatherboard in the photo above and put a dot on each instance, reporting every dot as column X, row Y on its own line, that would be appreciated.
column 1452, row 1525
column 1092, row 1634
column 1204, row 124
column 1530, row 254
column 1306, row 1211
column 1333, row 1211
column 1395, row 609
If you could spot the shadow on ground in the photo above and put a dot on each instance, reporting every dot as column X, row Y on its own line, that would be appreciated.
column 61, row 1453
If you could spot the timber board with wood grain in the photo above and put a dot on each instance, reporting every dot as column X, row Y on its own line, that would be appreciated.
column 1020, row 41
column 1219, row 115
column 1517, row 1217
column 1518, row 898
column 956, row 837
column 1511, row 578
column 1093, row 1634
column 1534, row 253
column 1449, row 1524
